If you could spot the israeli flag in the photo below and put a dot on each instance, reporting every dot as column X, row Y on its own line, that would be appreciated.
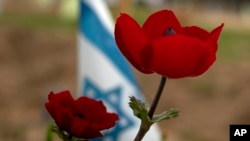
column 104, row 74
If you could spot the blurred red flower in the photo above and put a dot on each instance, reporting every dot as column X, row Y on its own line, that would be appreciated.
column 162, row 46
column 82, row 118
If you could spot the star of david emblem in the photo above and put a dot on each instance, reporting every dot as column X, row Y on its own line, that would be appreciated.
column 112, row 98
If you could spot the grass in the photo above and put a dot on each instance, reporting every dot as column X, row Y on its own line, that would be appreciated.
column 31, row 20
column 233, row 45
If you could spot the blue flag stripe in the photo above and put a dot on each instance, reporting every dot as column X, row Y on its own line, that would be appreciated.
column 94, row 30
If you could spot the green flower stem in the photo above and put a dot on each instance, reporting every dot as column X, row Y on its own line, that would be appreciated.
column 66, row 137
column 144, row 127
column 157, row 97
column 142, row 131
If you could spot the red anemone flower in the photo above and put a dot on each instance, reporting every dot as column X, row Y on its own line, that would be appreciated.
column 81, row 118
column 163, row 46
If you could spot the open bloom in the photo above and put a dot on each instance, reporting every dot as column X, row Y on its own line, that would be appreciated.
column 82, row 118
column 163, row 46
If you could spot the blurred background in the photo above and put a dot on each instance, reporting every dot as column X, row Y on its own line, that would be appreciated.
column 38, row 48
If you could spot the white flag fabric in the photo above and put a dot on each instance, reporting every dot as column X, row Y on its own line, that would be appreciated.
column 104, row 73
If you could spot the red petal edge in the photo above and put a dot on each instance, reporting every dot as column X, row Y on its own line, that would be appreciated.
column 131, row 40
column 214, row 36
column 157, row 24
column 178, row 56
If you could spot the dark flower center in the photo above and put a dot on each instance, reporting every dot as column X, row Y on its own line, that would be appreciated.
column 79, row 115
column 169, row 31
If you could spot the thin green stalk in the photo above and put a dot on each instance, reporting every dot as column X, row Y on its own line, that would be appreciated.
column 144, row 127
column 157, row 97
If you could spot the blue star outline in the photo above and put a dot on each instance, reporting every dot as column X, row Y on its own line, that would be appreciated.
column 113, row 99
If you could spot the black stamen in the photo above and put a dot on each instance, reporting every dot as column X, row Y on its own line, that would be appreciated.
column 79, row 115
column 169, row 31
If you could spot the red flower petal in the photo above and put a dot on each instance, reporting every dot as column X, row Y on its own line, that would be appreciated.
column 177, row 56
column 95, row 112
column 196, row 32
column 130, row 40
column 64, row 98
column 82, row 129
column 157, row 24
column 82, row 118
column 106, row 122
column 214, row 36
column 91, row 107
column 62, row 101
